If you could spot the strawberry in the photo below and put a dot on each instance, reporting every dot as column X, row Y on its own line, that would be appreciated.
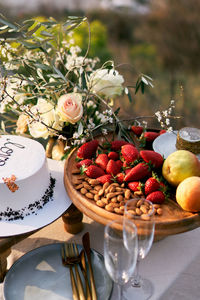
column 113, row 155
column 126, row 164
column 156, row 197
column 105, row 178
column 152, row 157
column 88, row 149
column 119, row 163
column 113, row 167
column 129, row 153
column 137, row 129
column 94, row 171
column 127, row 170
column 102, row 160
column 116, row 145
column 150, row 136
column 120, row 177
column 85, row 162
column 162, row 131
column 138, row 172
column 135, row 186
column 163, row 187
column 151, row 185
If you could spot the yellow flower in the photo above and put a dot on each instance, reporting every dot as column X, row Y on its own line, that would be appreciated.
column 22, row 125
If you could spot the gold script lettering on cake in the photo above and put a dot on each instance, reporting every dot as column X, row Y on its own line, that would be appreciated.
column 6, row 151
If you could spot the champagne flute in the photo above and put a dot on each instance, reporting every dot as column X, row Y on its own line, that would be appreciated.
column 141, row 212
column 120, row 251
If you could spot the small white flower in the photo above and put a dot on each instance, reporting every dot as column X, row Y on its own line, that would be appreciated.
column 167, row 121
column 76, row 135
column 104, row 131
column 165, row 113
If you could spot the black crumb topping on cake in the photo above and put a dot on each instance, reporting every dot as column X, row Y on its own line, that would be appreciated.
column 12, row 215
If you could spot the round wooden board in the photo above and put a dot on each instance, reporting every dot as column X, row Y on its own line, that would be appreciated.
column 173, row 220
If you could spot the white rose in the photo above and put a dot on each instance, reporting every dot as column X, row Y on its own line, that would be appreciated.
column 106, row 82
column 38, row 130
column 48, row 120
column 69, row 107
column 42, row 106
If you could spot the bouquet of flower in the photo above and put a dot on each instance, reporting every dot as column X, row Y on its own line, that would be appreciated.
column 49, row 90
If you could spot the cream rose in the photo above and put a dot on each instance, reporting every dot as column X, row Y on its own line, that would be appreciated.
column 106, row 82
column 69, row 107
column 49, row 120
column 38, row 130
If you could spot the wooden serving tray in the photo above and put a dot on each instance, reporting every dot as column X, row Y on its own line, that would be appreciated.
column 173, row 220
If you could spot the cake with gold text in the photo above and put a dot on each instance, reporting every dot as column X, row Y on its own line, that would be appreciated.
column 25, row 182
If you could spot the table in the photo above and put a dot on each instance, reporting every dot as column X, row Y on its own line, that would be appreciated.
column 172, row 264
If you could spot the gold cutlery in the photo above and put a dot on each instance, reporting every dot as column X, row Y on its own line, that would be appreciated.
column 70, row 259
column 86, row 246
column 83, row 266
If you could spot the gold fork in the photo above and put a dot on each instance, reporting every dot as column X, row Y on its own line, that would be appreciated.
column 70, row 259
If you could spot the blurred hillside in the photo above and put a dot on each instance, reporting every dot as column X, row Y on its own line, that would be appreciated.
column 161, row 40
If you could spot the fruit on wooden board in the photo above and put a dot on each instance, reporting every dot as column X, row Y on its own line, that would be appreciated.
column 188, row 194
column 179, row 165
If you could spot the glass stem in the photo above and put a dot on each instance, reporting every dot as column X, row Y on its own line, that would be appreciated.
column 136, row 277
column 120, row 288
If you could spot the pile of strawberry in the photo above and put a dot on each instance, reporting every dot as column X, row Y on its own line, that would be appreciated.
column 145, row 137
column 121, row 162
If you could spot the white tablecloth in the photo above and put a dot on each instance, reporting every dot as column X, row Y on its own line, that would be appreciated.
column 173, row 264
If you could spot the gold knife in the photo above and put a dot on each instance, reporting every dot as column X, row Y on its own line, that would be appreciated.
column 84, row 271
column 86, row 246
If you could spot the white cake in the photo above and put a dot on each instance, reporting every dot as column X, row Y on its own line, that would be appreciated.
column 25, row 182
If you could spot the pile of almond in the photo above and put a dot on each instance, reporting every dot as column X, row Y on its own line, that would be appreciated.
column 110, row 196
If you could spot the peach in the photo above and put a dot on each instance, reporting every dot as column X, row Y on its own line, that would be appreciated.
column 188, row 194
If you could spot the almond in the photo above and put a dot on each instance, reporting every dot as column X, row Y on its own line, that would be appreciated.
column 100, row 203
column 89, row 195
column 83, row 191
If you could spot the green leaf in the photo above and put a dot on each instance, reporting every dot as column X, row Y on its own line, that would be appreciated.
column 148, row 77
column 53, row 83
column 83, row 80
column 144, row 80
column 80, row 128
column 42, row 66
column 129, row 97
column 45, row 33
column 29, row 45
column 59, row 73
column 31, row 32
column 142, row 87
column 117, row 111
column 4, row 21
column 137, row 86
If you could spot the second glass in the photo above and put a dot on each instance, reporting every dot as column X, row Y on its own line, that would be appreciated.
column 141, row 212
column 120, row 251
